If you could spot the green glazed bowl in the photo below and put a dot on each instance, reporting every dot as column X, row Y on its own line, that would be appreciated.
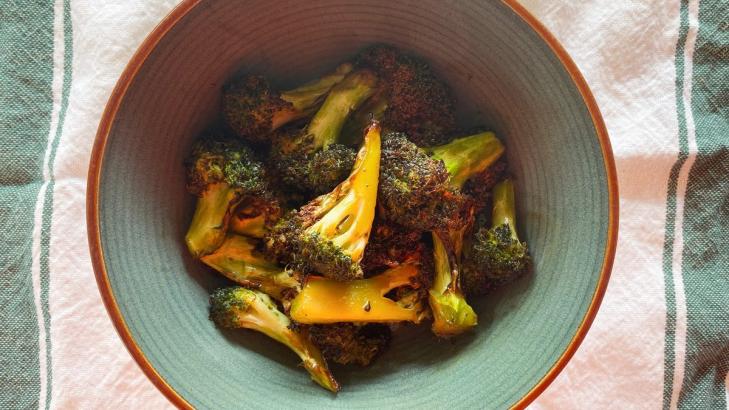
column 506, row 71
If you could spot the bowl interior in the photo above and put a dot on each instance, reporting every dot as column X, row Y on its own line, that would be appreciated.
column 503, row 75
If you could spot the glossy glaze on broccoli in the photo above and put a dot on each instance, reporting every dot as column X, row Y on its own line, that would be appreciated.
column 238, row 307
column 310, row 158
column 329, row 234
column 348, row 343
column 252, row 109
column 495, row 255
column 421, row 188
column 221, row 173
column 240, row 260
column 413, row 99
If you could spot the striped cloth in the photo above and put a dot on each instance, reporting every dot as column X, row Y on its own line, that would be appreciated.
column 659, row 71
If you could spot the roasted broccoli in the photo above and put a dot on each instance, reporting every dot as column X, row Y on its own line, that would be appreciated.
column 238, row 307
column 222, row 173
column 421, row 188
column 309, row 158
column 329, row 234
column 495, row 255
column 452, row 315
column 349, row 343
column 252, row 109
column 413, row 100
column 391, row 245
column 239, row 260
column 323, row 300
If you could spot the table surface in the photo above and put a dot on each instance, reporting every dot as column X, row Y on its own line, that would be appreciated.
column 659, row 70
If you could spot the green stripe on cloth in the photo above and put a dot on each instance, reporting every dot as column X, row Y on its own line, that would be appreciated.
column 669, row 349
column 706, row 225
column 47, row 216
column 26, row 75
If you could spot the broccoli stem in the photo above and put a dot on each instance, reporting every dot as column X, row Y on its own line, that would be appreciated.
column 238, row 260
column 467, row 156
column 348, row 221
column 504, row 209
column 451, row 313
column 345, row 97
column 210, row 221
column 253, row 227
column 304, row 97
column 325, row 300
column 250, row 309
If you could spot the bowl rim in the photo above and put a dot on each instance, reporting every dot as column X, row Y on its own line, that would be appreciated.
column 128, row 75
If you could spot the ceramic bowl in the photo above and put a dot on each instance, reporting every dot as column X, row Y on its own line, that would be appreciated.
column 506, row 71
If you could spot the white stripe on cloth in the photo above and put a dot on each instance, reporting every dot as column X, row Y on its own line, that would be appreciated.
column 626, row 52
column 91, row 367
column 56, row 95
column 677, row 262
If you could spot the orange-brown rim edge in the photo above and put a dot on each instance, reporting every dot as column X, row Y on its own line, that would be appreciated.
column 107, row 119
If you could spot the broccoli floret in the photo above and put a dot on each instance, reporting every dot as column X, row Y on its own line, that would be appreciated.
column 391, row 245
column 329, row 234
column 254, row 217
column 421, row 188
column 252, row 109
column 495, row 255
column 221, row 173
column 348, row 343
column 480, row 186
column 414, row 100
column 238, row 307
column 323, row 301
column 239, row 260
column 452, row 315
column 310, row 159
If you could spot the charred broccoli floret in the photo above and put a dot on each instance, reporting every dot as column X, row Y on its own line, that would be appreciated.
column 452, row 315
column 323, row 300
column 221, row 173
column 240, row 260
column 238, row 307
column 310, row 159
column 329, row 234
column 413, row 100
column 421, row 188
column 252, row 109
column 254, row 217
column 391, row 245
column 494, row 254
column 348, row 343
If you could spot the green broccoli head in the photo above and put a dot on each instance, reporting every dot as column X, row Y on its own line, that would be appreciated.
column 417, row 102
column 495, row 255
column 329, row 234
column 238, row 307
column 348, row 343
column 221, row 173
column 421, row 188
column 314, row 173
column 252, row 109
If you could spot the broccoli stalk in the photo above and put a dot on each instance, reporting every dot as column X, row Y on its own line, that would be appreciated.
column 311, row 159
column 325, row 300
column 495, row 254
column 329, row 234
column 253, row 110
column 451, row 313
column 238, row 307
column 468, row 156
column 222, row 173
column 238, row 260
